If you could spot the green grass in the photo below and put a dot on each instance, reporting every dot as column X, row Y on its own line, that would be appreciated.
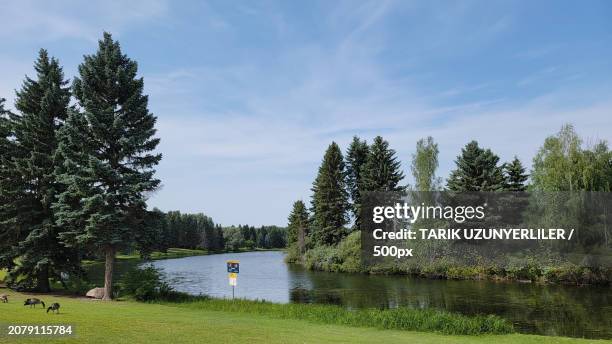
column 131, row 322
column 170, row 253
column 395, row 319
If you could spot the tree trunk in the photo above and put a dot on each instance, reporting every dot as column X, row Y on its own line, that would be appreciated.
column 108, row 273
column 42, row 281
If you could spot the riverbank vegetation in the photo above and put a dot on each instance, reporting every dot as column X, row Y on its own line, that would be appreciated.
column 391, row 319
column 326, row 236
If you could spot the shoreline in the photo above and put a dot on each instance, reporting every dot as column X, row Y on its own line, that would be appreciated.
column 241, row 320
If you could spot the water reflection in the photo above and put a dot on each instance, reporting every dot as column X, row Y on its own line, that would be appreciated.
column 550, row 310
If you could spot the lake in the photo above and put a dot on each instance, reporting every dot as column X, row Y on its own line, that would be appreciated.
column 548, row 310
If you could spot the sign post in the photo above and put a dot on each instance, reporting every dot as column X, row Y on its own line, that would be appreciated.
column 233, row 268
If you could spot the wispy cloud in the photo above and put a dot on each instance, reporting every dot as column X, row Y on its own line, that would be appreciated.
column 73, row 19
column 249, row 95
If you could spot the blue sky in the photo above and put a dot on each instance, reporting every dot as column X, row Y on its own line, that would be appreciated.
column 249, row 94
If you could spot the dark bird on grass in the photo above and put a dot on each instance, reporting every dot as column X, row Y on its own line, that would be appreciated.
column 32, row 302
column 54, row 308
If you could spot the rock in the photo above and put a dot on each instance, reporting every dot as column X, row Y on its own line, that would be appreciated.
column 96, row 293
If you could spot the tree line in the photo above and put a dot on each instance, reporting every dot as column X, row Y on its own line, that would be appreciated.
column 198, row 231
column 563, row 163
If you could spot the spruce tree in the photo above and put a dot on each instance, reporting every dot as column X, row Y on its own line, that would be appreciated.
column 356, row 157
column 9, row 177
column 382, row 171
column 43, row 106
column 477, row 170
column 515, row 176
column 297, row 229
column 330, row 199
column 108, row 166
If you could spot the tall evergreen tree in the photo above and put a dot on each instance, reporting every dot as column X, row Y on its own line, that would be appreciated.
column 515, row 176
column 477, row 170
column 10, row 226
column 109, row 167
column 297, row 229
column 382, row 171
column 330, row 199
column 43, row 105
column 151, row 235
column 356, row 157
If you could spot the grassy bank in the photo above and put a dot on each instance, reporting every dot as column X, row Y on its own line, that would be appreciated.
column 132, row 322
column 170, row 253
column 396, row 319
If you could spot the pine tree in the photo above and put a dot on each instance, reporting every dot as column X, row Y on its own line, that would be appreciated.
column 476, row 170
column 330, row 199
column 108, row 165
column 9, row 178
column 382, row 171
column 356, row 157
column 150, row 236
column 43, row 106
column 219, row 238
column 297, row 229
column 515, row 176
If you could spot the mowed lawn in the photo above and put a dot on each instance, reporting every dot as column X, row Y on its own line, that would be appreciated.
column 133, row 322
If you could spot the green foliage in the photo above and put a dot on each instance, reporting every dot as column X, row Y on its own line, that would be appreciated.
column 477, row 170
column 424, row 165
column 515, row 176
column 562, row 164
column 382, row 171
column 342, row 258
column 145, row 284
column 427, row 320
column 249, row 237
column 151, row 237
column 108, row 167
column 297, row 229
column 9, row 223
column 27, row 214
column 356, row 158
column 330, row 199
column 192, row 231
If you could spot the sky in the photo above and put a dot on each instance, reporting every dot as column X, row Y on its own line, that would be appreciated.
column 249, row 94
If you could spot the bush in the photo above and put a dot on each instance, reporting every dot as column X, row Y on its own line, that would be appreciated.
column 293, row 255
column 146, row 284
column 343, row 258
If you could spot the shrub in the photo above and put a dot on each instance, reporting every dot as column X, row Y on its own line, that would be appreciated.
column 145, row 284
column 343, row 258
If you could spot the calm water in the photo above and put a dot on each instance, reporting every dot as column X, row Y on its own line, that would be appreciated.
column 549, row 310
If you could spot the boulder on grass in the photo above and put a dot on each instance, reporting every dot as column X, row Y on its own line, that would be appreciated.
column 96, row 293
